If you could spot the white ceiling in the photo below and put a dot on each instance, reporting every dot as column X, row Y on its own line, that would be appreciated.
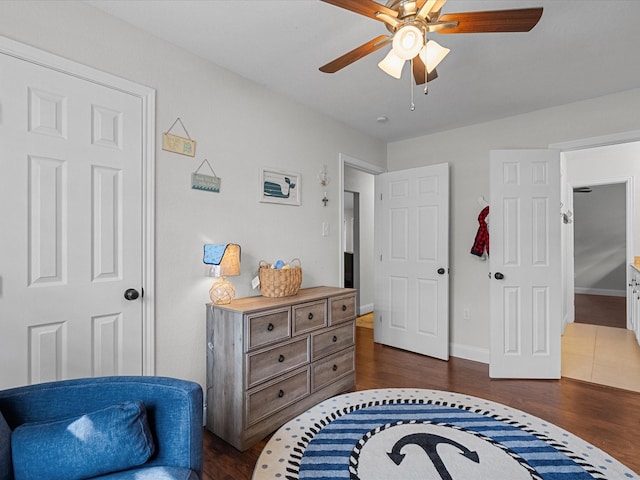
column 579, row 49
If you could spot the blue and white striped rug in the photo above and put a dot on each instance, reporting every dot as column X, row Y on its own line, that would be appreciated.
column 427, row 434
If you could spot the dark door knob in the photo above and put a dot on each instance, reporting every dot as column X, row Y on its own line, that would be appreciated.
column 498, row 276
column 441, row 271
column 131, row 294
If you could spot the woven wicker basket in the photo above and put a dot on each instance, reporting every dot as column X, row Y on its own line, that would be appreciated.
column 279, row 282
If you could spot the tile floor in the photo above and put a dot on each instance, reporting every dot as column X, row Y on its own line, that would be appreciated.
column 605, row 355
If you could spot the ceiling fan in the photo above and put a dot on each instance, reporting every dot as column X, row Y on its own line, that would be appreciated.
column 409, row 22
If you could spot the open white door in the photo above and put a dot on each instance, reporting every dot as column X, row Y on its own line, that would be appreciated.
column 412, row 277
column 525, row 264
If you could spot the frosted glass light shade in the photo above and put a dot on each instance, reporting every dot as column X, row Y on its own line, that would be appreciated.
column 407, row 42
column 392, row 64
column 432, row 54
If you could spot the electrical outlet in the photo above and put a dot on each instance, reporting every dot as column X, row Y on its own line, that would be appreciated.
column 466, row 314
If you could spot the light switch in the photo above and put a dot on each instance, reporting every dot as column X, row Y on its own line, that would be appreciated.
column 325, row 229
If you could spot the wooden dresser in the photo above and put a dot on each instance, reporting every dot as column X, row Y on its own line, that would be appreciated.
column 270, row 359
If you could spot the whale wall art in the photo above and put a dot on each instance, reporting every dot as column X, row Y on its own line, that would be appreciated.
column 279, row 187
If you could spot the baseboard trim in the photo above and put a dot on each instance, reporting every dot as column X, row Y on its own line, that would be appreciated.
column 364, row 309
column 467, row 352
column 600, row 291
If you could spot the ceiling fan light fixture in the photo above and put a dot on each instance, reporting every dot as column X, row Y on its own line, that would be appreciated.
column 432, row 54
column 392, row 64
column 407, row 42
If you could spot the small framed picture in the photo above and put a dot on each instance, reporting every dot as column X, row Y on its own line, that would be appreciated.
column 279, row 187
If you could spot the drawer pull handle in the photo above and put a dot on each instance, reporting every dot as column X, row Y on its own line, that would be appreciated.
column 335, row 368
column 281, row 358
column 270, row 327
column 310, row 316
column 335, row 339
column 281, row 393
column 344, row 308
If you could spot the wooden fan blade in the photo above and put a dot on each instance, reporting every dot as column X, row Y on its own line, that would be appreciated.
column 419, row 72
column 368, row 8
column 520, row 20
column 356, row 54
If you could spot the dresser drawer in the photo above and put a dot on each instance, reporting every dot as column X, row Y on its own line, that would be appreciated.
column 342, row 309
column 332, row 340
column 268, row 327
column 267, row 400
column 269, row 363
column 331, row 368
column 309, row 316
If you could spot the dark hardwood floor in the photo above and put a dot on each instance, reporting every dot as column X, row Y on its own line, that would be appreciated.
column 606, row 417
column 601, row 310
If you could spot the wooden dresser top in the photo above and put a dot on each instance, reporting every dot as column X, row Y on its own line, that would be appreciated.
column 250, row 304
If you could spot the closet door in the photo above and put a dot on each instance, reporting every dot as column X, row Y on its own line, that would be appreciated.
column 71, row 209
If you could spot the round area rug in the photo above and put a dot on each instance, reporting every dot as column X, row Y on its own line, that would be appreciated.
column 428, row 434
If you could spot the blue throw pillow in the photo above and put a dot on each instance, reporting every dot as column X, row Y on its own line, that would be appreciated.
column 114, row 438
column 5, row 450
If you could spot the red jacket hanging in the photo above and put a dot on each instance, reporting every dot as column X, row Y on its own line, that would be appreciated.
column 481, row 243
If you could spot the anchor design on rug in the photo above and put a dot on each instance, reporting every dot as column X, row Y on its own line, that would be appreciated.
column 429, row 444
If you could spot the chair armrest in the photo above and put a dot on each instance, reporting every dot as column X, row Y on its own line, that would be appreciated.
column 174, row 410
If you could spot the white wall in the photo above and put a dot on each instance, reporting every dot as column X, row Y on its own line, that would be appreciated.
column 467, row 151
column 358, row 181
column 239, row 127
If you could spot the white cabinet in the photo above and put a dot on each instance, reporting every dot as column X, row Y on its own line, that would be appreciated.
column 633, row 300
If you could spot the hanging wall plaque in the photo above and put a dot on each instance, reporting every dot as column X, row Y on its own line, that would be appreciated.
column 176, row 144
column 207, row 183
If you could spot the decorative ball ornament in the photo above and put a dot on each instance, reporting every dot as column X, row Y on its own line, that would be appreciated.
column 222, row 292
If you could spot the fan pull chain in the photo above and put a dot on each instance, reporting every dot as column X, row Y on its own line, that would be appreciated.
column 413, row 105
column 426, row 69
column 426, row 80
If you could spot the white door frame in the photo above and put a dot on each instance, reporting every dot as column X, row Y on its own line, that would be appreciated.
column 567, row 250
column 147, row 97
column 346, row 160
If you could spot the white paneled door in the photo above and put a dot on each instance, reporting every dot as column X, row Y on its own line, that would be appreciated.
column 412, row 241
column 71, row 216
column 525, row 287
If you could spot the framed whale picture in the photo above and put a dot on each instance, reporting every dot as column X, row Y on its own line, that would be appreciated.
column 279, row 187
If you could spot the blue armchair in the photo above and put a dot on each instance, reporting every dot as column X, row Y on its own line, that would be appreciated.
column 168, row 423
